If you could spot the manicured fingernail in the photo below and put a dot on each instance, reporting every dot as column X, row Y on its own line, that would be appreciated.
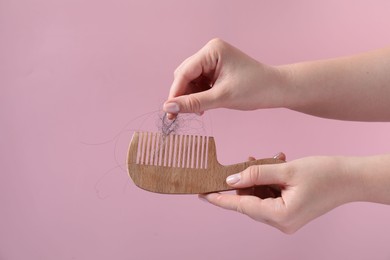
column 277, row 155
column 199, row 113
column 233, row 179
column 171, row 108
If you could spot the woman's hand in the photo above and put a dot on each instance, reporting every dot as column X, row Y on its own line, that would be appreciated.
column 309, row 188
column 219, row 75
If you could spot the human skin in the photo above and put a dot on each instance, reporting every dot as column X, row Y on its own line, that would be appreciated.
column 346, row 88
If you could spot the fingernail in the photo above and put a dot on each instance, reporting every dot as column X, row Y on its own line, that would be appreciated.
column 203, row 199
column 171, row 116
column 233, row 179
column 171, row 108
column 277, row 155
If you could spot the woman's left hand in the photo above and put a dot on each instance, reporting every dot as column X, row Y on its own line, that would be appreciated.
column 309, row 187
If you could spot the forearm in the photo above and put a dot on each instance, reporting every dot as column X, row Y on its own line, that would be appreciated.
column 348, row 88
column 369, row 178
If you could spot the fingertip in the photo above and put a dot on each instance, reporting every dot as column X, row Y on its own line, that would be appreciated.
column 233, row 179
column 226, row 201
column 251, row 158
column 171, row 116
column 210, row 197
column 202, row 197
column 171, row 107
column 280, row 156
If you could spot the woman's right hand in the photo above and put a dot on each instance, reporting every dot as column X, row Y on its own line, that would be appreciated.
column 220, row 75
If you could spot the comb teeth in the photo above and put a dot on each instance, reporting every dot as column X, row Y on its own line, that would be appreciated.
column 180, row 151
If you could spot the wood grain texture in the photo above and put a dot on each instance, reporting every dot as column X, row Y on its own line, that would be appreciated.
column 169, row 177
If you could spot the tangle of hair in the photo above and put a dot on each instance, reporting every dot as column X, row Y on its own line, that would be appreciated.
column 181, row 124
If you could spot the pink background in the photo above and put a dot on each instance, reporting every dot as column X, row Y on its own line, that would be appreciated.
column 77, row 73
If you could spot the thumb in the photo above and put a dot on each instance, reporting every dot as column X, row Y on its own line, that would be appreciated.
column 192, row 103
column 259, row 175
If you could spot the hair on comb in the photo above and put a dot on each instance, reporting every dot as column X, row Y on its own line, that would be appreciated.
column 180, row 164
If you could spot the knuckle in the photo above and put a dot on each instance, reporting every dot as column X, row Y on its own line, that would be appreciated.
column 216, row 44
column 254, row 174
column 215, row 40
column 193, row 104
column 240, row 206
column 239, row 209
column 175, row 73
column 181, row 68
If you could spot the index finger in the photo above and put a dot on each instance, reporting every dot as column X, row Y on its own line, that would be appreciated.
column 263, row 210
column 201, row 63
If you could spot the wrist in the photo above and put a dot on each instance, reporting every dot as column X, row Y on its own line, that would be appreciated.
column 286, row 86
column 371, row 178
column 353, row 184
column 343, row 183
column 304, row 89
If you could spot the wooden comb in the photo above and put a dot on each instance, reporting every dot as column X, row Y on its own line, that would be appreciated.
column 180, row 164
